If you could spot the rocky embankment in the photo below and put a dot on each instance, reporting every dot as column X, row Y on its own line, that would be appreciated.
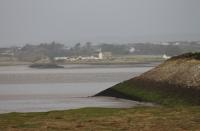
column 174, row 82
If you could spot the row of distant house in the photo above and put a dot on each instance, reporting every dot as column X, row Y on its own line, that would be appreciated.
column 99, row 56
column 6, row 52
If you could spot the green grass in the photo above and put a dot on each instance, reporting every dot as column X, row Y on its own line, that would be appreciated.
column 163, row 96
column 98, row 119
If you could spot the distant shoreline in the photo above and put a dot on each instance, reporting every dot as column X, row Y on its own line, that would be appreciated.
column 2, row 64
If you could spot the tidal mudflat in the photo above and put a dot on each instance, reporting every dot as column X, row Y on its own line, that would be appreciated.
column 23, row 89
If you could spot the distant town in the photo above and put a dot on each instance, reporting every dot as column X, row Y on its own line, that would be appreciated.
column 95, row 53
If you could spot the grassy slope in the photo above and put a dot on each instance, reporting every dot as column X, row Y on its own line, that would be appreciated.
column 98, row 119
column 167, row 96
column 175, row 82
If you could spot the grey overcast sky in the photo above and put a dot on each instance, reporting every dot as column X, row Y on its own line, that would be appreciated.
column 71, row 21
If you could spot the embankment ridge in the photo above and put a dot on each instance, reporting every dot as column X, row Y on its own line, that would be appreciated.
column 174, row 82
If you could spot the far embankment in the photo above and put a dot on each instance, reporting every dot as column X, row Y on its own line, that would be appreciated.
column 115, row 60
column 174, row 82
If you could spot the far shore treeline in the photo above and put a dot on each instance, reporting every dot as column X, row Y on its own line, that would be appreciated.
column 32, row 53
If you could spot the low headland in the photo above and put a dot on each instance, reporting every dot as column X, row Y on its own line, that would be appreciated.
column 174, row 86
column 174, row 82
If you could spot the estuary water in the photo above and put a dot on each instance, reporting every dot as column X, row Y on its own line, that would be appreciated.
column 23, row 89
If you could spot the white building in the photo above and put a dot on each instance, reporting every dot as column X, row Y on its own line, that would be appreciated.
column 100, row 55
column 61, row 58
column 166, row 57
column 131, row 50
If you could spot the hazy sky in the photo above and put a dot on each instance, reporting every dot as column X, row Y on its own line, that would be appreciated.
column 71, row 21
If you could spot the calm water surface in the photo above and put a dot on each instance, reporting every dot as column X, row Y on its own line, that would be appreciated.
column 23, row 89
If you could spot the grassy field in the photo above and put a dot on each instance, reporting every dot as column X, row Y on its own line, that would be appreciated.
column 100, row 119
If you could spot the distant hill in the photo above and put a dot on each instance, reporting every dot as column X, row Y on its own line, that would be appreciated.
column 174, row 82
